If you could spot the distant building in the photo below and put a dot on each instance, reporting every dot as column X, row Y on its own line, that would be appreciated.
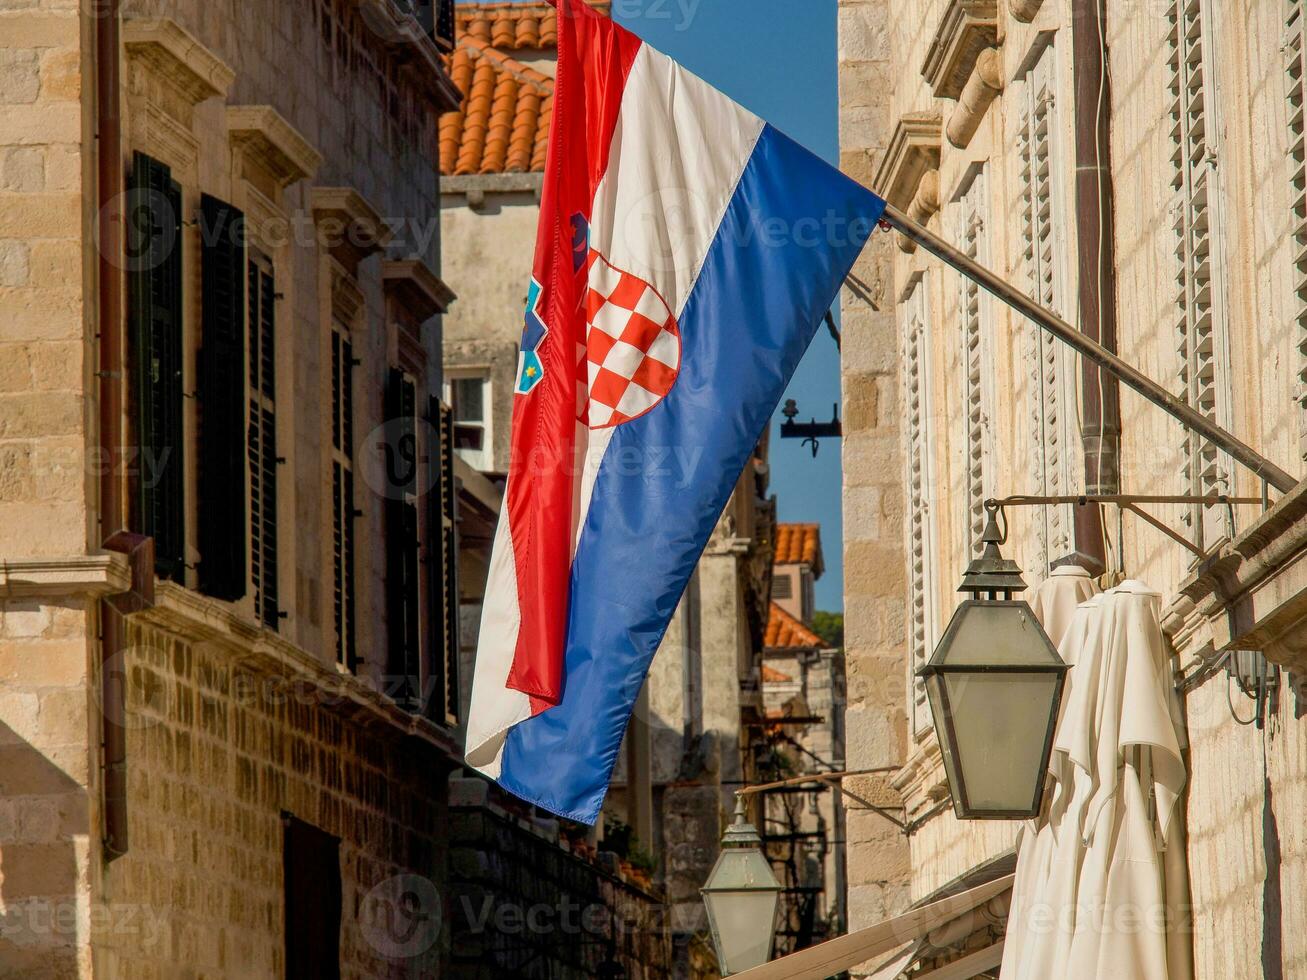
column 803, row 704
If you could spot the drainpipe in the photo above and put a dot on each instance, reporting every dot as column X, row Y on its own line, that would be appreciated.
column 1100, row 407
column 113, row 534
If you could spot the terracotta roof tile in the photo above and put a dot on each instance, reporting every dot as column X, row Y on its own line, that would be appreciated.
column 503, row 124
column 799, row 543
column 784, row 632
column 770, row 675
column 511, row 26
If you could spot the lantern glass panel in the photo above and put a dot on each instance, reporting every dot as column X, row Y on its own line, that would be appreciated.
column 995, row 634
column 1000, row 727
column 743, row 923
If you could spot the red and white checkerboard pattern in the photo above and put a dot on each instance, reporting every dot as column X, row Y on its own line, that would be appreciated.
column 632, row 350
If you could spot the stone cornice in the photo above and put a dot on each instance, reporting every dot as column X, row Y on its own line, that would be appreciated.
column 350, row 227
column 422, row 291
column 475, row 187
column 178, row 57
column 78, row 575
column 913, row 149
column 415, row 50
column 967, row 28
column 197, row 618
column 264, row 135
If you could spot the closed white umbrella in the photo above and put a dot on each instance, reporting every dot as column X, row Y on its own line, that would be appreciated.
column 1106, row 892
column 1055, row 599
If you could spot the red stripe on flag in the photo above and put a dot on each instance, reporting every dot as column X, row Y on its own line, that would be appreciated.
column 595, row 57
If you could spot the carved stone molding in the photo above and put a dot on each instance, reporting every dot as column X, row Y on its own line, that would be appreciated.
column 984, row 85
column 347, row 299
column 419, row 57
column 413, row 284
column 967, row 28
column 349, row 227
column 1025, row 10
column 913, row 150
column 78, row 575
column 178, row 58
column 265, row 139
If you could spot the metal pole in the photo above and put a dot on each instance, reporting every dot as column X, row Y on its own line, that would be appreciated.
column 1262, row 467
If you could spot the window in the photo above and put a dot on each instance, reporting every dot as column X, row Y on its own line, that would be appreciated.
column 342, row 491
column 782, row 587
column 1202, row 351
column 442, row 575
column 154, row 260
column 403, row 589
column 1296, row 77
column 311, row 882
column 1052, row 366
column 261, row 321
column 469, row 397
column 920, row 527
column 973, row 310
column 222, row 490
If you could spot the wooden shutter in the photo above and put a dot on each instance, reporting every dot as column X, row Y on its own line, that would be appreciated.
column 312, row 886
column 221, row 488
column 262, row 326
column 343, row 513
column 402, row 583
column 154, row 258
column 442, row 572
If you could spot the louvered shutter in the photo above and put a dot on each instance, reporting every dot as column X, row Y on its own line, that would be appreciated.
column 1296, row 80
column 402, row 585
column 221, row 488
column 975, row 344
column 343, row 513
column 1202, row 354
column 154, row 256
column 262, row 325
column 442, row 572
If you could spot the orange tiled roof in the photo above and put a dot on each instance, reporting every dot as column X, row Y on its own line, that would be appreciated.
column 770, row 675
column 784, row 632
column 503, row 124
column 798, row 543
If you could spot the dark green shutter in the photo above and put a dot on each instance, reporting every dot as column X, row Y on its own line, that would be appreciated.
column 221, row 489
column 262, row 323
column 442, row 569
column 402, row 589
column 342, row 488
column 154, row 263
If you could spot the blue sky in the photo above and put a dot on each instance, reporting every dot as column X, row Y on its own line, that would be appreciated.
column 776, row 58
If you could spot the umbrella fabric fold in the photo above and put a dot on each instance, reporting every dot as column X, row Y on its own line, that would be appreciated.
column 1102, row 888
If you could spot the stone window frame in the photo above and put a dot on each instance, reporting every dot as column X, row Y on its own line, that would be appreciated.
column 920, row 528
column 976, row 331
column 1202, row 343
column 1044, row 247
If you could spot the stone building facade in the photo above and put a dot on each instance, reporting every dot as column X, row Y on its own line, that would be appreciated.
column 696, row 730
column 963, row 113
column 230, row 510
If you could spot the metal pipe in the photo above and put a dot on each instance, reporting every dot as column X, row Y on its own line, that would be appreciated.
column 1100, row 395
column 1145, row 386
column 112, row 513
column 1210, row 500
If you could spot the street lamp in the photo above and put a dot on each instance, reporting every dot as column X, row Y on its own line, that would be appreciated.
column 741, row 896
column 995, row 684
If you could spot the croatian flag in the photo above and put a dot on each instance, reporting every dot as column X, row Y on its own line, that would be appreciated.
column 686, row 254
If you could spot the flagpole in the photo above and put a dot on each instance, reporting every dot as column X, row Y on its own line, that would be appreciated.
column 1262, row 467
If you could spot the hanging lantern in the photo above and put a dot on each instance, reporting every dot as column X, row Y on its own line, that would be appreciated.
column 742, row 895
column 995, row 683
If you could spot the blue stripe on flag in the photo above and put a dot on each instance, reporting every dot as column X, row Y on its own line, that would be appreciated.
column 789, row 237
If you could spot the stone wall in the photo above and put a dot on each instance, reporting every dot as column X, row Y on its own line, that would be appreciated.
column 218, row 749
column 877, row 852
column 43, row 286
